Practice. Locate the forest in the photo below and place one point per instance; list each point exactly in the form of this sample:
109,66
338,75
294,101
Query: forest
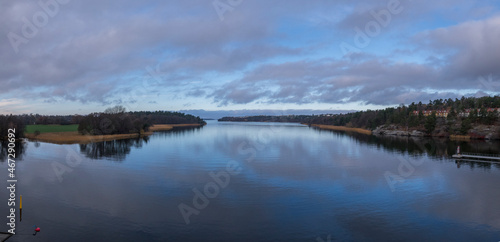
403,116
267,118
116,121
11,122
113,120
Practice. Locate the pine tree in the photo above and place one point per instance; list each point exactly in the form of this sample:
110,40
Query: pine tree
430,123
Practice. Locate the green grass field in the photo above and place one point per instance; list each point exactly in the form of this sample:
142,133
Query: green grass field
50,128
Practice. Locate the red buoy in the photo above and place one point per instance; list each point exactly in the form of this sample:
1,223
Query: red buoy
37,229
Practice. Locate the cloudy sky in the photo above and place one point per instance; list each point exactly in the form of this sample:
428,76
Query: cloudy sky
73,56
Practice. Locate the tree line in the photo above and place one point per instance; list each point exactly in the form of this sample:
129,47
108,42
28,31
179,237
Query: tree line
50,119
113,120
268,118
11,122
116,121
404,115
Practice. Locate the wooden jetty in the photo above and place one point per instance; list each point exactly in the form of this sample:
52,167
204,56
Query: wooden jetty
478,157
491,158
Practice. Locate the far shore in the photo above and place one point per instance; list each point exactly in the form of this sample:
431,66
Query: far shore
460,137
369,132
342,128
77,138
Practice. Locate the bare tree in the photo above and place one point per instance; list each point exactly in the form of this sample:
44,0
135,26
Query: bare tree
114,110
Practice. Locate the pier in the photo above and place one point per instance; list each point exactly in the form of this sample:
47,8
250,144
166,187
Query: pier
493,158
478,157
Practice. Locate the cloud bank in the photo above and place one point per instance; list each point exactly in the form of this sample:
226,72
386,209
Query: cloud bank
171,54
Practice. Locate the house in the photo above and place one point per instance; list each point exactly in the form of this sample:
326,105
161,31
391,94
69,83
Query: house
444,113
439,113
469,110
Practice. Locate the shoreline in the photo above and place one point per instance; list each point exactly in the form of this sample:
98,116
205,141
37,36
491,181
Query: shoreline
407,134
73,137
460,137
342,128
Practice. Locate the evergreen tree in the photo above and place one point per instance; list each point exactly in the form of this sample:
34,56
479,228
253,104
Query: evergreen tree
430,123
452,114
483,113
473,115
491,117
420,117
465,126
413,120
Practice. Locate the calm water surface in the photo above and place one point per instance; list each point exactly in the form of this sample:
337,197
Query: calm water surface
289,183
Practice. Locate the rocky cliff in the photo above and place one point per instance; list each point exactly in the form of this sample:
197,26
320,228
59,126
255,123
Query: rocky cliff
490,132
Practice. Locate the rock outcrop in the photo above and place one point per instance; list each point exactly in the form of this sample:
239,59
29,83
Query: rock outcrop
489,132
396,131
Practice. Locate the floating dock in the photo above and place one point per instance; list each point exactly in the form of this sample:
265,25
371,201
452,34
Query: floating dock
493,158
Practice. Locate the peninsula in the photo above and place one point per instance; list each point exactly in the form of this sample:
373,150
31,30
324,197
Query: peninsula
465,118
112,124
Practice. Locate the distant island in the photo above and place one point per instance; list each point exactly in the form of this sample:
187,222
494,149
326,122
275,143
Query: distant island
269,118
114,123
465,118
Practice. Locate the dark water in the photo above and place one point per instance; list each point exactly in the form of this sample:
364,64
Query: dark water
274,182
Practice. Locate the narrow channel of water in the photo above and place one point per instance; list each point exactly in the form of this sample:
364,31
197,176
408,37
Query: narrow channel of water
256,182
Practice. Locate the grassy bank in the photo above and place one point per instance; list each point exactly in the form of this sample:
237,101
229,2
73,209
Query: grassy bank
342,128
460,137
30,129
73,137
162,127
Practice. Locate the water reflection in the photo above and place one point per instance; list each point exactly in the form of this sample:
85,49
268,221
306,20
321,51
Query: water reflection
179,131
19,150
476,164
437,148
115,150
296,184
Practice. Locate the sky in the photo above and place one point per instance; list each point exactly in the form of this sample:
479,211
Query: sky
77,57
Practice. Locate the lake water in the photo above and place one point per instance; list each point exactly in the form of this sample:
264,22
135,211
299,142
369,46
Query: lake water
273,182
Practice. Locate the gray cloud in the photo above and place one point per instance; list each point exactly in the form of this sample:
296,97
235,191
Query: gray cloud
470,53
94,51
472,47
